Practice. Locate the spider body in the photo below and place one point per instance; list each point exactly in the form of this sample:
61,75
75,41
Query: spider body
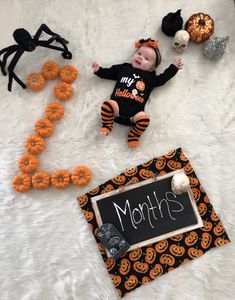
26,42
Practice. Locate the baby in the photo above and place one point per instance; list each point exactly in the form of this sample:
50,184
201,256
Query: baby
134,83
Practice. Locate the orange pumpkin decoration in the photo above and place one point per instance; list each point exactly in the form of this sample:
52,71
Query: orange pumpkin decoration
21,183
200,27
50,70
81,176
28,163
131,282
44,127
60,179
63,91
35,82
125,266
156,271
140,267
54,111
68,74
34,144
41,180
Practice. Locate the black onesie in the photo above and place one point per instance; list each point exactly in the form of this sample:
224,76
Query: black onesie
133,87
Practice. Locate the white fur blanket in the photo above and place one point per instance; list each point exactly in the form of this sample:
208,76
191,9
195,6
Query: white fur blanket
46,249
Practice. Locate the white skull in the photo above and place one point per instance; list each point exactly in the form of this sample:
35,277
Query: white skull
180,42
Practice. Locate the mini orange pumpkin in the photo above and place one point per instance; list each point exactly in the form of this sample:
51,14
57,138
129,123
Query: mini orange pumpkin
21,183
28,163
200,27
60,179
35,82
63,91
50,70
81,176
34,144
68,74
41,180
156,271
54,111
44,127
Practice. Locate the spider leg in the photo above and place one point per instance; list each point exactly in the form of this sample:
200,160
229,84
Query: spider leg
65,52
11,68
47,30
10,50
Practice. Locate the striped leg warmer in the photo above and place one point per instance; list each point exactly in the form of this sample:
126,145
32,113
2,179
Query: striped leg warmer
137,130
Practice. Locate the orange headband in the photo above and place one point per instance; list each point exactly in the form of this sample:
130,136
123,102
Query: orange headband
146,43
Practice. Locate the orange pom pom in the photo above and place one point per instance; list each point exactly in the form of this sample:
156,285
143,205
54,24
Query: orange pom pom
50,70
35,82
60,179
21,182
63,91
28,163
68,74
81,176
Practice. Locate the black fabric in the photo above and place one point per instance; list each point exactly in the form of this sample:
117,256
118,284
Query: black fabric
133,86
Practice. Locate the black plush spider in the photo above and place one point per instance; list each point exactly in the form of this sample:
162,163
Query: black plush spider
25,42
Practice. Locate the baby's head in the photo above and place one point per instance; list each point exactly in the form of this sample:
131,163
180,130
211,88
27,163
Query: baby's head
147,55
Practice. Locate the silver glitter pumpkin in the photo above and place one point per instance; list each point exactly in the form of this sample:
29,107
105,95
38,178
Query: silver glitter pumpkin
215,47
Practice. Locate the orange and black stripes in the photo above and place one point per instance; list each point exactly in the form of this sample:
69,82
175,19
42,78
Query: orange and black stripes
137,130
107,114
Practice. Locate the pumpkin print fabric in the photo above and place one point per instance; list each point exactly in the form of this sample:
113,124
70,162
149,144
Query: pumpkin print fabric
142,265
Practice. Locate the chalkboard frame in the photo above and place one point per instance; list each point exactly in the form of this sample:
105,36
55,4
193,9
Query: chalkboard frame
167,235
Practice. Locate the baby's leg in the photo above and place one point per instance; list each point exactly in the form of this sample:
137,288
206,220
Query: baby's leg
109,110
141,120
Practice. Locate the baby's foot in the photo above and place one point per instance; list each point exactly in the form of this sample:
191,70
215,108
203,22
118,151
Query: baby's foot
133,144
105,131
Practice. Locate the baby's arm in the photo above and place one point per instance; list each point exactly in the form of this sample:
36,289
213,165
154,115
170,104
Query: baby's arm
171,71
106,73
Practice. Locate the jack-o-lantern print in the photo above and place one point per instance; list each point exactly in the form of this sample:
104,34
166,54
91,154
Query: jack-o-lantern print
206,240
156,271
145,280
108,188
146,174
130,171
131,282
219,229
125,266
174,165
161,246
140,85
135,254
194,252
177,250
191,238
82,200
160,163
116,279
221,241
89,215
202,208
110,263
207,226
177,237
119,180
167,259
150,255
140,267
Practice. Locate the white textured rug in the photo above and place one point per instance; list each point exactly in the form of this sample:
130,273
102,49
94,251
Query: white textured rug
46,249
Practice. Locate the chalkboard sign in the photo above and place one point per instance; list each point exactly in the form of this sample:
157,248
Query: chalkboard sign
148,211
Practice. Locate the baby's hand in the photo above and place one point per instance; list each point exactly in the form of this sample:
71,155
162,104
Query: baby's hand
178,63
95,67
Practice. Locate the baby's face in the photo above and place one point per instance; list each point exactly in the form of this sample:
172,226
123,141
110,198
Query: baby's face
144,58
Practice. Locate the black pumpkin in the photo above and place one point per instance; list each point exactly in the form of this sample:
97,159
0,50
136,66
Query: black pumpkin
172,22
